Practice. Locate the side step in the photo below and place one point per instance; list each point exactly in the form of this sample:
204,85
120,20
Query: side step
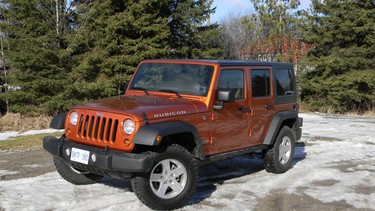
235,153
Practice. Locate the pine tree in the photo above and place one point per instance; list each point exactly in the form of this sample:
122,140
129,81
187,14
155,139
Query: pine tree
190,36
38,66
343,33
278,26
113,36
66,52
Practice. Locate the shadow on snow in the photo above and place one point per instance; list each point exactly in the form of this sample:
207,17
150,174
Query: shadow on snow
212,175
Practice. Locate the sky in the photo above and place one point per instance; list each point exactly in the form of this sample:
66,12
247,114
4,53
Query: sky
227,7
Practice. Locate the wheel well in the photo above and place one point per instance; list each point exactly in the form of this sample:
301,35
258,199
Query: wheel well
281,119
185,140
288,122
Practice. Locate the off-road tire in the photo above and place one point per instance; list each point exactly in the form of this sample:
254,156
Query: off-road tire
74,176
275,163
169,199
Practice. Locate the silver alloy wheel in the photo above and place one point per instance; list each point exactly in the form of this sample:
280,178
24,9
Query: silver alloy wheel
168,178
285,150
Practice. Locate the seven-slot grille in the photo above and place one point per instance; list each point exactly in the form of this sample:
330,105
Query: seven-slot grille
97,128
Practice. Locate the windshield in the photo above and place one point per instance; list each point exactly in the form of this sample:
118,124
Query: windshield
188,79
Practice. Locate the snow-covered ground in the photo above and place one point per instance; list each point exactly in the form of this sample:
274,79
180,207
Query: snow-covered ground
334,163
8,135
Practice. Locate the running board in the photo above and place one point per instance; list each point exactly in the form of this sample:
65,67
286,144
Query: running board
226,155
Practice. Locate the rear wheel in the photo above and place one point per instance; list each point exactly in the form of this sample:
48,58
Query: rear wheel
279,158
171,181
73,175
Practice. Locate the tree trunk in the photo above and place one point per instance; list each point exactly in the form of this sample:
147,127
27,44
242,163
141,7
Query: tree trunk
57,17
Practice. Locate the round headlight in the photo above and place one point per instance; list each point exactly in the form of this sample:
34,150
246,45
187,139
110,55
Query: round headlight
73,118
129,126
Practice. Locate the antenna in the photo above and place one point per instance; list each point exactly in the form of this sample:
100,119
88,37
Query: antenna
119,83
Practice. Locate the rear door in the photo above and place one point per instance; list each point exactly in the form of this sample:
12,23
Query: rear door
261,103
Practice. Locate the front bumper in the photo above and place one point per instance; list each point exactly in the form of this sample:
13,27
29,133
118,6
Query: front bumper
113,163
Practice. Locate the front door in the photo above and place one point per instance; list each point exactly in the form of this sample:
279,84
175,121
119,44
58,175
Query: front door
261,103
231,123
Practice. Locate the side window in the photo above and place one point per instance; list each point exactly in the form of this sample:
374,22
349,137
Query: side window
260,83
284,82
232,80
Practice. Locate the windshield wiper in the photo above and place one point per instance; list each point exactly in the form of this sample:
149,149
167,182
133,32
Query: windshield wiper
141,88
171,91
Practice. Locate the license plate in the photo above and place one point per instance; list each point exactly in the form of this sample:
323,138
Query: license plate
80,156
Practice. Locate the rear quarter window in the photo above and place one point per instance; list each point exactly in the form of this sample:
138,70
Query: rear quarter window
284,82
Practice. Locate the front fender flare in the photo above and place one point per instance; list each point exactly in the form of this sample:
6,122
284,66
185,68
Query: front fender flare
58,121
146,135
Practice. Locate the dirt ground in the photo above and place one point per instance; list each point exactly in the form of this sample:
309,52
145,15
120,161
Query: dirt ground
288,202
35,162
25,163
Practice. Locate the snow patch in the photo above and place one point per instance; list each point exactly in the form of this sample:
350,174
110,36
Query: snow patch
12,134
335,162
33,166
6,172
54,193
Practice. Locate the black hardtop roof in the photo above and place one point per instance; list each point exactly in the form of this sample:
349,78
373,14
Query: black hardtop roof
227,62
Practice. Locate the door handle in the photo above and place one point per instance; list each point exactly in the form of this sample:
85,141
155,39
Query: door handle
268,106
244,108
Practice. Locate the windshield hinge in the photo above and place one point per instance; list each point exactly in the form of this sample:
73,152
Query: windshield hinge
145,119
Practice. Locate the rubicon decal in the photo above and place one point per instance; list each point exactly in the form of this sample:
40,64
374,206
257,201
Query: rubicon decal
167,114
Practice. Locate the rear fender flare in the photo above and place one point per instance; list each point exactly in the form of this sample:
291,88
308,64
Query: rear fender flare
276,123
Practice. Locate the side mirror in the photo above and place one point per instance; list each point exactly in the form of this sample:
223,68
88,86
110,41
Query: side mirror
225,96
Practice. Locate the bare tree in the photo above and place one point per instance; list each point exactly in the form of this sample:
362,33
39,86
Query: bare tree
237,34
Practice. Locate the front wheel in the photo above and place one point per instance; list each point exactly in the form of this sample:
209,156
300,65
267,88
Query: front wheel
279,158
73,175
171,181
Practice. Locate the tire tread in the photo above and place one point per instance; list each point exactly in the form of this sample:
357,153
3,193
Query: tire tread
75,178
271,159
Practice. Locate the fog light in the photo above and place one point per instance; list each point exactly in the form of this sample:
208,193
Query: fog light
93,158
67,151
127,142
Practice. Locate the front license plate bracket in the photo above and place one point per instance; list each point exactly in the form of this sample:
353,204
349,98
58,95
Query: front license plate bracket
80,156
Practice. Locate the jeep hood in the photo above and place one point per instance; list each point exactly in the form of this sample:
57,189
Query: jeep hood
153,106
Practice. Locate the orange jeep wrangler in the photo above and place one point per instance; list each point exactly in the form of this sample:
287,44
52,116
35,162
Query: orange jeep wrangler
176,115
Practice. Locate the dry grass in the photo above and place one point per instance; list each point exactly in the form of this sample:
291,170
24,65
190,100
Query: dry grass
370,114
17,122
25,142
366,114
304,108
